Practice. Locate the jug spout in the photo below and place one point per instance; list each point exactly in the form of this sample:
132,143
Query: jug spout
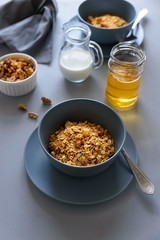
76,30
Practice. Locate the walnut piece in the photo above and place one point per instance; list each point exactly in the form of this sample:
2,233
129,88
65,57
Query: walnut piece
22,106
33,115
46,101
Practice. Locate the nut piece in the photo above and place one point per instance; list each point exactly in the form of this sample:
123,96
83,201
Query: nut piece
22,106
33,115
46,101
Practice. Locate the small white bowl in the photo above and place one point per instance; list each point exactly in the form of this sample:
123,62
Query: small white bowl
22,87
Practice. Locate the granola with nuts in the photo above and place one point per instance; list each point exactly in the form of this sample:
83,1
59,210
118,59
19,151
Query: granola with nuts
107,21
81,144
14,70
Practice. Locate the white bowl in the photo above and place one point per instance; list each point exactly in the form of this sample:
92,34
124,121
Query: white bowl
22,87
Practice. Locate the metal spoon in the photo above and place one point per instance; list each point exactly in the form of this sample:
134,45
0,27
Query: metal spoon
144,182
130,36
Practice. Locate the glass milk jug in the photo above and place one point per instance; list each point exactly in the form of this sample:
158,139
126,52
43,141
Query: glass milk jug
78,55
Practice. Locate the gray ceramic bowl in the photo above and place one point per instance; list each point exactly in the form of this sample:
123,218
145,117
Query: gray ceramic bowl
81,110
119,8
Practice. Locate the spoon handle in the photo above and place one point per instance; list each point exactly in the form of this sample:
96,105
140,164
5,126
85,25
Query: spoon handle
144,182
140,15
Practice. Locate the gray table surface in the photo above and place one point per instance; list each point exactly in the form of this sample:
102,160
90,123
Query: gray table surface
25,212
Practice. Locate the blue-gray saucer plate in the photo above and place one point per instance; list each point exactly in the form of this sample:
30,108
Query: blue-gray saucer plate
77,190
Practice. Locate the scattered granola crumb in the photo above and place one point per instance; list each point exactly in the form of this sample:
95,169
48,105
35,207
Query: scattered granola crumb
33,115
46,101
22,106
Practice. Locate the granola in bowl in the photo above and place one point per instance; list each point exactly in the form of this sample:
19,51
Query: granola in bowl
107,21
81,144
12,69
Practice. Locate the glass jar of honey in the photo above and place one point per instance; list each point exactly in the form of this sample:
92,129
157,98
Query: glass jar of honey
125,68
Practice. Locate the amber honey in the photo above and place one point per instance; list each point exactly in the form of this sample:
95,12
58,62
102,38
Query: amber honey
122,88
125,68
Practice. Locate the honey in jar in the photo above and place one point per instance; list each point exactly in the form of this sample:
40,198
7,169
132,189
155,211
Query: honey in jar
125,68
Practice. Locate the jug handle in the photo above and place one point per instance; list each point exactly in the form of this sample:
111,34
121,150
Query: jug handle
97,54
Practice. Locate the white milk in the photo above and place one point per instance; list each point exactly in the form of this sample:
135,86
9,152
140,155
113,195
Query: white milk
76,64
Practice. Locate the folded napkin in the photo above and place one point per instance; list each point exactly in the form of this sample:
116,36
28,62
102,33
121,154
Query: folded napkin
27,26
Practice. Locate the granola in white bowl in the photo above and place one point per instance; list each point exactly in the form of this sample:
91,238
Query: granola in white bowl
18,74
